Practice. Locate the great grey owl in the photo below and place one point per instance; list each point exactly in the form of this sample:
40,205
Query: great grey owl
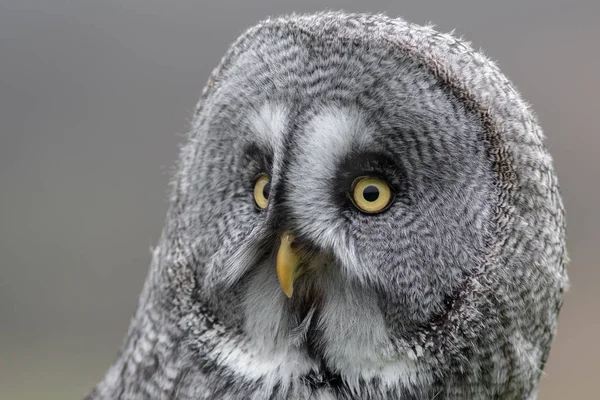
363,209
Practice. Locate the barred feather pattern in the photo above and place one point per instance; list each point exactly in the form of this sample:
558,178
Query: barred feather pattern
453,293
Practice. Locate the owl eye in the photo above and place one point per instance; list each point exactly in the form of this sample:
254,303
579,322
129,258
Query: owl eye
371,195
262,186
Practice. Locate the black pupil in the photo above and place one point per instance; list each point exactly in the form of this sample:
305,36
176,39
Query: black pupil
371,193
266,190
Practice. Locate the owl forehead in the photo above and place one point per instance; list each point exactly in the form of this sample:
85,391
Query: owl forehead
318,142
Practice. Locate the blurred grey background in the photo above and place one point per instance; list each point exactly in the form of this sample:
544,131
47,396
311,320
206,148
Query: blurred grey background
94,98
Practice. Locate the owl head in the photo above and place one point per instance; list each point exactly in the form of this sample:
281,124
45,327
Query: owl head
330,170
366,200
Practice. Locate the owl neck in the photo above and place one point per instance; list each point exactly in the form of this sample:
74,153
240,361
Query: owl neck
181,346
162,361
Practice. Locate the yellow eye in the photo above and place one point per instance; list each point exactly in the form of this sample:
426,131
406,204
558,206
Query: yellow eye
371,195
262,186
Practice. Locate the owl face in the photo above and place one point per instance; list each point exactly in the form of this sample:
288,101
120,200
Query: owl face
347,185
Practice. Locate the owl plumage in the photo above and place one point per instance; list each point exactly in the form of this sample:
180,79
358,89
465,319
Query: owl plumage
364,209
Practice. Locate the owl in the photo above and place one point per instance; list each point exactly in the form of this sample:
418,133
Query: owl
363,209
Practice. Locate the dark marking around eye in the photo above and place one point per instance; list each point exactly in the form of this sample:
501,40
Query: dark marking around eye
377,164
371,193
261,156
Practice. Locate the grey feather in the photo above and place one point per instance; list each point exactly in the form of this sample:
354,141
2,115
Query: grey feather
451,293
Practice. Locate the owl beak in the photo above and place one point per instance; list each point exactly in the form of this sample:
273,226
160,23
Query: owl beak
289,263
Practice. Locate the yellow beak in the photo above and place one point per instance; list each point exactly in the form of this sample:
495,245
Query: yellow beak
288,264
